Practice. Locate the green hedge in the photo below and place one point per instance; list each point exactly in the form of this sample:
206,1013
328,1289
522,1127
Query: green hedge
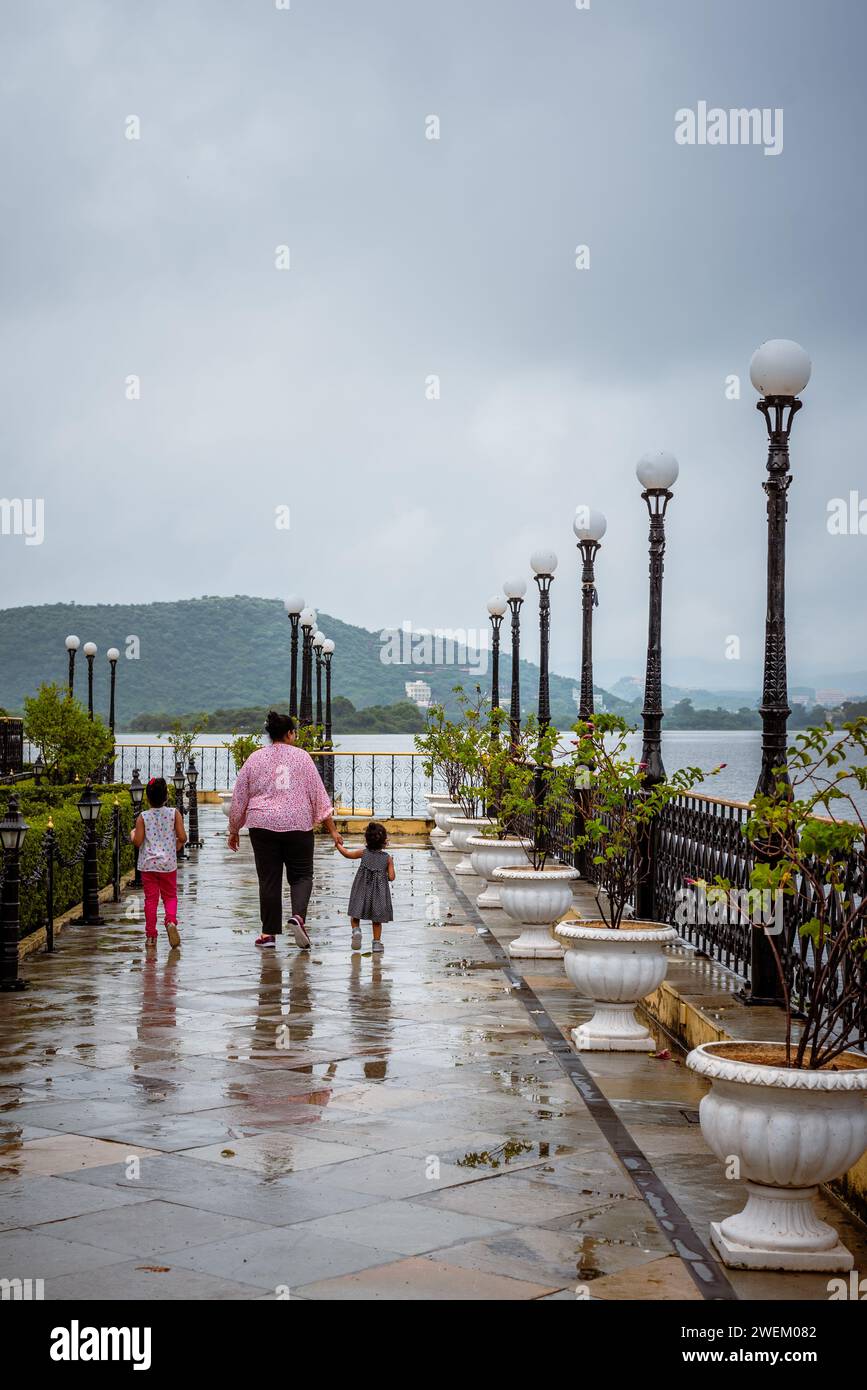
68,830
34,800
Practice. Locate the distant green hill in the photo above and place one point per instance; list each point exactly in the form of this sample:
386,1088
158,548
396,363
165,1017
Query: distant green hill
219,653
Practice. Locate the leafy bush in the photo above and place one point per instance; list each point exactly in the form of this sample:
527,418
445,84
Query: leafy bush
71,744
68,831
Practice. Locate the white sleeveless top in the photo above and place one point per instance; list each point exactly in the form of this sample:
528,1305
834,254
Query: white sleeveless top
159,853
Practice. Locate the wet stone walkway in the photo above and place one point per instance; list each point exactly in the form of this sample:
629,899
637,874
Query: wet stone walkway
224,1123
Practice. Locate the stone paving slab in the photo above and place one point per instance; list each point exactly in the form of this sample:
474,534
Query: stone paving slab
223,1123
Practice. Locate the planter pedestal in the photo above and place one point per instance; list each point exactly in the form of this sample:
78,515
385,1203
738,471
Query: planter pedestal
613,1028
779,1228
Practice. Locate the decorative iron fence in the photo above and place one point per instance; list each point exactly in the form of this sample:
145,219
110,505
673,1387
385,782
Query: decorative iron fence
389,785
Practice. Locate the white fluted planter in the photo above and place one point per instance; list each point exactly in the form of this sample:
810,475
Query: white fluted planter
434,802
536,898
789,1130
615,967
442,814
486,855
461,829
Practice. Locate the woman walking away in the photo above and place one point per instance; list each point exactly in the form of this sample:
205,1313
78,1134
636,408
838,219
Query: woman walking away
279,796
370,898
158,834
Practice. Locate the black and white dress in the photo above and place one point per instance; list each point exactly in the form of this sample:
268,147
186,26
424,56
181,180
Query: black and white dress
370,898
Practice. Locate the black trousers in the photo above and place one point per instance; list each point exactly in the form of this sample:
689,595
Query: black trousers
274,851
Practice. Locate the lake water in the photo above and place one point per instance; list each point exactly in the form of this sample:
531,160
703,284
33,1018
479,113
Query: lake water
739,749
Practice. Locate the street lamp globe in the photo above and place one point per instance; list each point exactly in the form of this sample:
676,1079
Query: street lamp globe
543,562
515,588
657,471
112,654
327,647
780,368
589,525
294,604
90,649
308,617
319,640
73,643
497,606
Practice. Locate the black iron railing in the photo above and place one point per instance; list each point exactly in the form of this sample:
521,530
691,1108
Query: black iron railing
388,785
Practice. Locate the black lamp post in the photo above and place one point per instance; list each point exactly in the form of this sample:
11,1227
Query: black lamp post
89,807
327,657
318,641
90,649
589,527
780,370
308,627
193,802
13,828
294,608
656,473
136,796
496,612
38,769
113,656
72,645
515,589
544,563
178,781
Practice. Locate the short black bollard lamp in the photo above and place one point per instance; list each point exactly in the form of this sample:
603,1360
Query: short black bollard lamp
193,803
515,589
179,781
38,769
136,796
589,527
13,828
89,807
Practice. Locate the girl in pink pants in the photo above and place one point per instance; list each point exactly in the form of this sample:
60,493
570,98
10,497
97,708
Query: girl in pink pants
158,835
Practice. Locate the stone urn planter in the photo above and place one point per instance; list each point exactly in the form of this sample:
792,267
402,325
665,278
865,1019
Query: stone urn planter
461,829
615,967
486,855
536,898
789,1130
442,812
225,802
434,801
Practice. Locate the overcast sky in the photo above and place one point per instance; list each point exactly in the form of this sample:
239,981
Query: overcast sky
412,257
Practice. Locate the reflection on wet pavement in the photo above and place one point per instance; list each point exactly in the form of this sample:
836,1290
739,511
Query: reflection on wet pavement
218,1123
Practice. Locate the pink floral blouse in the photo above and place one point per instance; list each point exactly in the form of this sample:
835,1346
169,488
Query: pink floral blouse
278,788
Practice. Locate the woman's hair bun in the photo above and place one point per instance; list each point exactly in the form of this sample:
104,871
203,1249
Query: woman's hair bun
278,725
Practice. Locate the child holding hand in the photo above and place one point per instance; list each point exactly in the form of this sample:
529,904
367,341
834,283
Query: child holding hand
370,898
